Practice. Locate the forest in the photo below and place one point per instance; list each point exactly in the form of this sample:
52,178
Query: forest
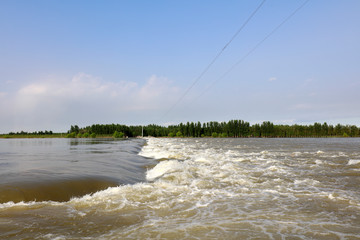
232,128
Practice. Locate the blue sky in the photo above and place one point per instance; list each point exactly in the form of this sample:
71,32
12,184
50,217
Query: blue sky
83,62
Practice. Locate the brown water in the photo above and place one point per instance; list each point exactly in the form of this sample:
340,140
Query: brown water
198,189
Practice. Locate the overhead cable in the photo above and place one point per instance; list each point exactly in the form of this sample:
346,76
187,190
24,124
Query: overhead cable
254,48
215,58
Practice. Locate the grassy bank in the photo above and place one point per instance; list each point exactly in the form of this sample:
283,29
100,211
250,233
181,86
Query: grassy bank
54,135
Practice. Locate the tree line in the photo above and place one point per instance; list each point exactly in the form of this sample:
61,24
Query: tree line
232,128
46,132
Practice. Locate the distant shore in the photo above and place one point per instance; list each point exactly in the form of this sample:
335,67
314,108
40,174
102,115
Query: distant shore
230,129
64,135
55,135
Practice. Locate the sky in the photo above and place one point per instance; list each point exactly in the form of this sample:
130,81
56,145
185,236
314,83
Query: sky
139,62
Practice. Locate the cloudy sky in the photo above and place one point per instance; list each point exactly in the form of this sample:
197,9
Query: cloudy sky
138,62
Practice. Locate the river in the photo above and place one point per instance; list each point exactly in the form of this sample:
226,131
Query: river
180,188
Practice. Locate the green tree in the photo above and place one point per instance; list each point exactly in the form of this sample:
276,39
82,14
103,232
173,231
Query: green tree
118,134
317,129
267,129
256,130
74,129
324,129
354,131
232,128
338,130
71,135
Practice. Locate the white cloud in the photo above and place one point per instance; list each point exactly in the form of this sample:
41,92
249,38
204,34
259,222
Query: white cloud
33,89
3,94
79,86
156,93
86,87
83,98
272,79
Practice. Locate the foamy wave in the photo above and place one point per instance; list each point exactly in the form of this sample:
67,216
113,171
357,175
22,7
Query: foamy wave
353,162
23,204
163,168
211,193
306,182
155,149
12,204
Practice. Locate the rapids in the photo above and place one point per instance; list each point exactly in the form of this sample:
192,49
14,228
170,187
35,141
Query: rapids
211,189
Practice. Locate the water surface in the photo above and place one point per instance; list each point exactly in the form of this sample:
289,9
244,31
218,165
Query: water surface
58,169
196,189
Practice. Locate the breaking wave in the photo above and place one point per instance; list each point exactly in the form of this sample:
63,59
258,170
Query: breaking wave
209,189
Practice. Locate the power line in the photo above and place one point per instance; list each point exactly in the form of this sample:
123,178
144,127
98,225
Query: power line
215,58
254,48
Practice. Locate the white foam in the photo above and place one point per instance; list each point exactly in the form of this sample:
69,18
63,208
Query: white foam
163,168
276,169
209,189
202,160
306,182
318,162
27,204
54,237
296,154
331,196
353,162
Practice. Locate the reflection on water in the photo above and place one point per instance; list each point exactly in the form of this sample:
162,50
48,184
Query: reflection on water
91,141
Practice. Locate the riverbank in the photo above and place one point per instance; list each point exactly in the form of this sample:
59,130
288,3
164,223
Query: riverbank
65,135
54,135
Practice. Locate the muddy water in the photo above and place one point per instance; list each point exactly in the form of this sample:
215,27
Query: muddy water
183,189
